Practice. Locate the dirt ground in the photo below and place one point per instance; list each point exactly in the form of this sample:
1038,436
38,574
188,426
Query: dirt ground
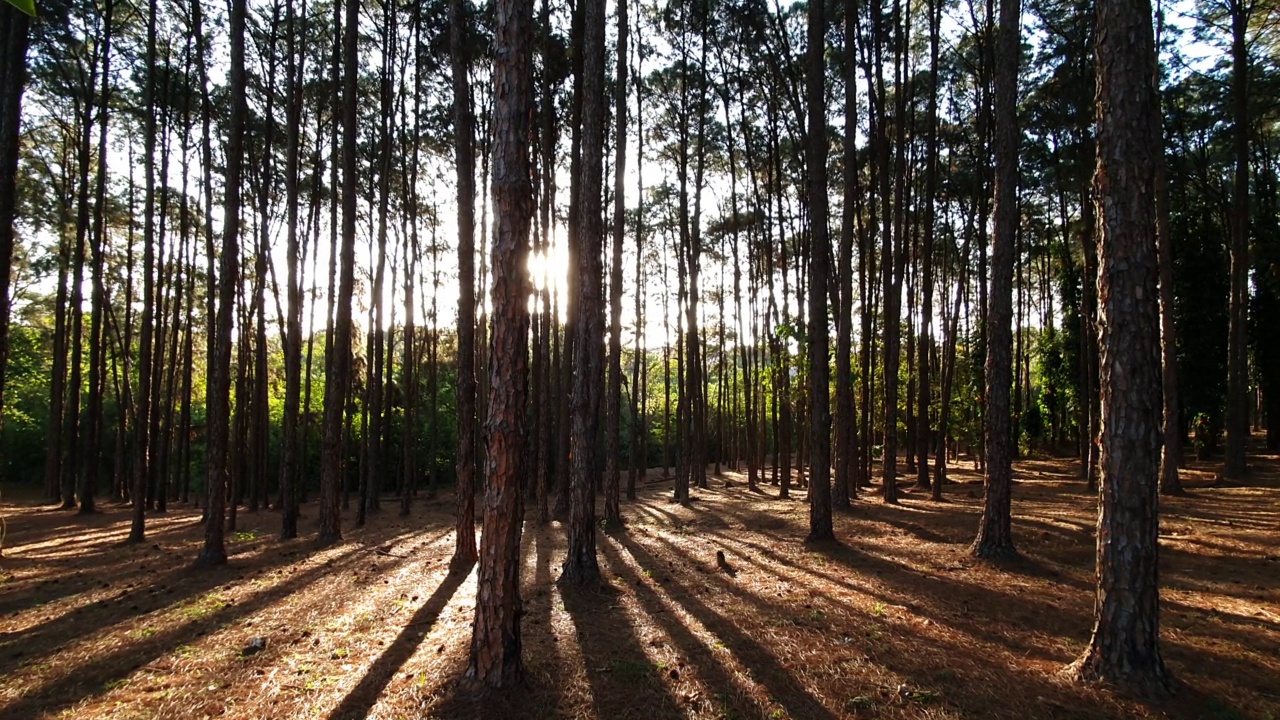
897,621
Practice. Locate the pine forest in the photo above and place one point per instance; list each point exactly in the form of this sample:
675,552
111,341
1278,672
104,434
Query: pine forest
785,359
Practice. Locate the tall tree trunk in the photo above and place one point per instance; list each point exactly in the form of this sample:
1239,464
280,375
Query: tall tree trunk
639,361
433,372
580,566
995,532
743,361
845,421
949,370
1237,340
73,434
410,365
58,381
549,320
570,295
695,379
926,279
13,71
464,551
260,420
782,312
613,398
890,290
215,552
495,640
292,460
146,369
98,336
185,392
1090,331
1124,647
1171,447
156,499
866,294
339,358
381,337
820,523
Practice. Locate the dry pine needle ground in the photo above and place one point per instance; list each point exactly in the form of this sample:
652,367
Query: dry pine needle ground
896,621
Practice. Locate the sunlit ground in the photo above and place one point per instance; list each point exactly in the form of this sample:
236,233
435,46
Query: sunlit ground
895,622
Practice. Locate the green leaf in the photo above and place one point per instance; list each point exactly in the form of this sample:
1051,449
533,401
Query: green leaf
26,6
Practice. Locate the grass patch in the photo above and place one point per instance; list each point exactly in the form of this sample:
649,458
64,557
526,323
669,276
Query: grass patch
632,670
860,702
202,607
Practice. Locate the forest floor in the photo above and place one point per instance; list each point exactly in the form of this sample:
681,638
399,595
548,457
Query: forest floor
896,621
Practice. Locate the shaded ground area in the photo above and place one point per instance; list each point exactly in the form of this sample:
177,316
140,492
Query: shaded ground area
897,621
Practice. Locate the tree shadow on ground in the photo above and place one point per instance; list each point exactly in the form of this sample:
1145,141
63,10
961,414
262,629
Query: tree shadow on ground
618,671
764,667
361,699
91,677
142,594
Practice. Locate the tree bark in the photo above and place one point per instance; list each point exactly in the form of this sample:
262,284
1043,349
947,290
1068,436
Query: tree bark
580,565
1090,332
464,551
995,533
639,367
339,359
215,552
613,402
495,642
923,385
97,337
820,523
13,71
1124,647
845,417
146,369
1237,341
1171,447
291,463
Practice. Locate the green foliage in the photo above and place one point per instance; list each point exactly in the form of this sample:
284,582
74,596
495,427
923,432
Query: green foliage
26,6
26,407
24,442
1206,433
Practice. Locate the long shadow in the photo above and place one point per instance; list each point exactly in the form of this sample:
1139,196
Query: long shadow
920,532
969,599
539,637
32,592
1032,566
178,585
708,517
606,635
959,594
948,661
781,560
1029,565
688,645
122,562
1230,626
782,686
660,516
90,678
943,591
107,528
364,695
1232,515
125,565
